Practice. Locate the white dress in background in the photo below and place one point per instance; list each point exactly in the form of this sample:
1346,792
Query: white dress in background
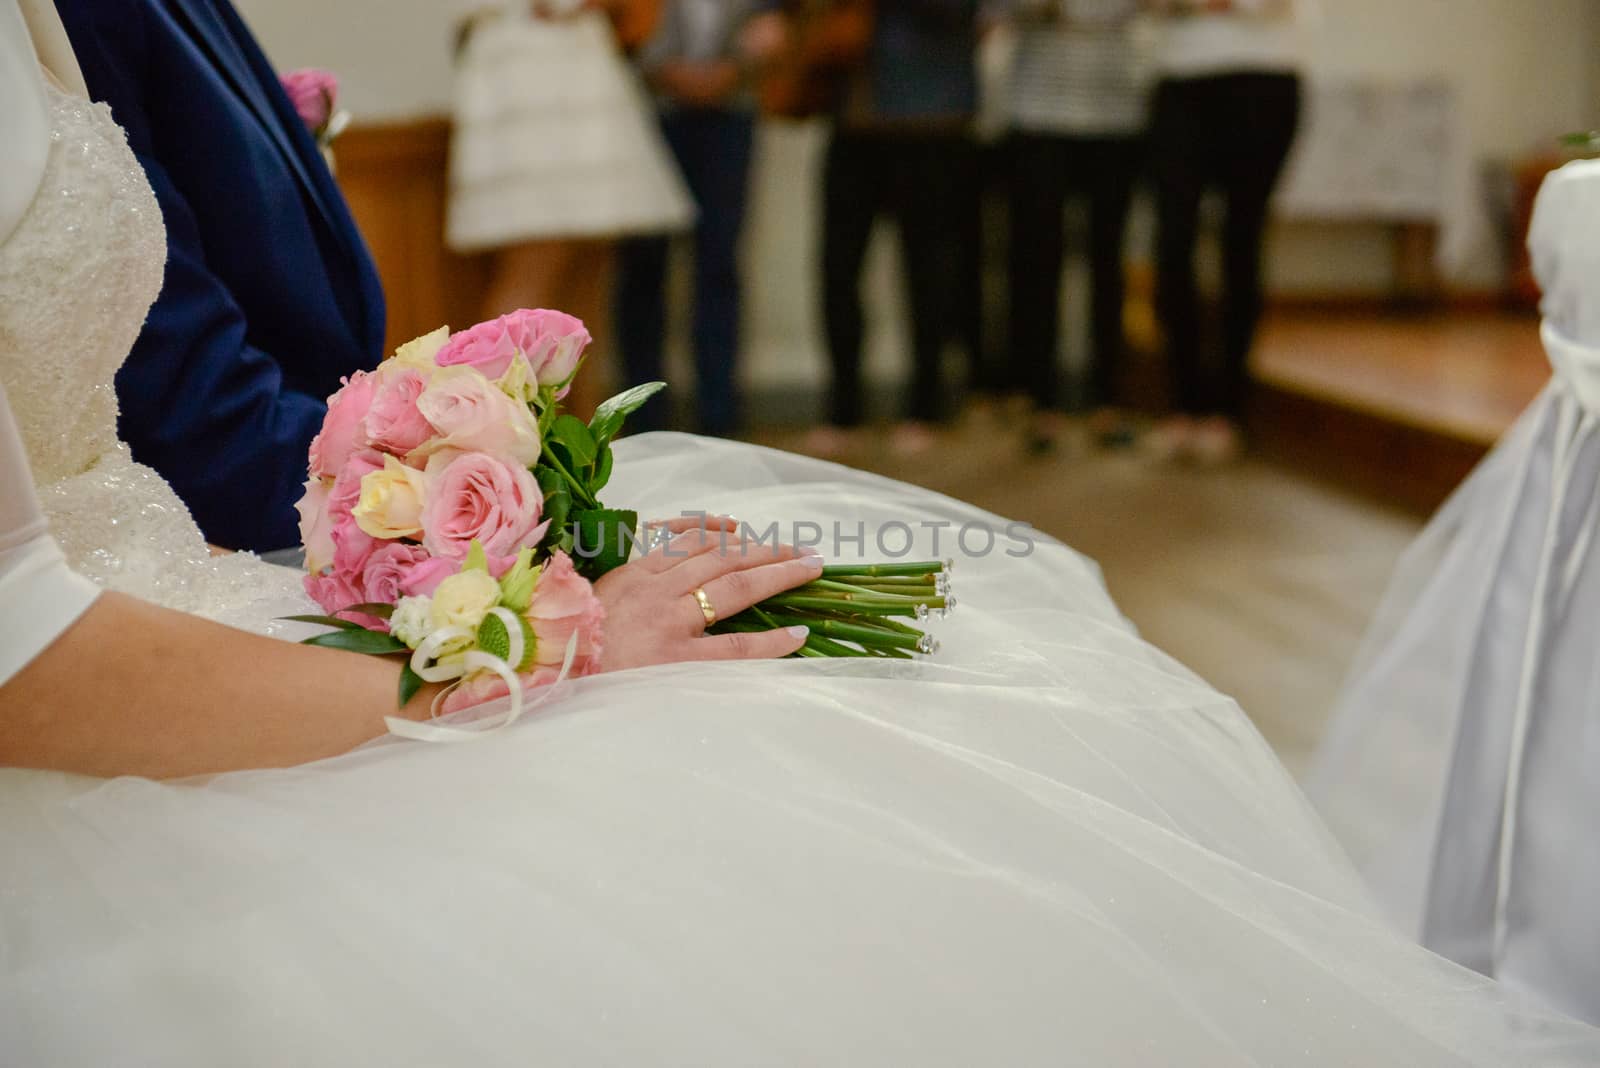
1050,845
1462,769
554,137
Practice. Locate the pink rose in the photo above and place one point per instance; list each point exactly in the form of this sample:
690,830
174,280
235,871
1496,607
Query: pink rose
388,569
487,348
472,414
347,487
352,547
344,429
426,576
393,422
553,342
314,94
316,524
332,592
479,496
346,582
564,603
487,686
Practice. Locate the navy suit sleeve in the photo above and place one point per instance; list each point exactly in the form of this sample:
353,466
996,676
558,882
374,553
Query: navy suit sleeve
199,403
206,408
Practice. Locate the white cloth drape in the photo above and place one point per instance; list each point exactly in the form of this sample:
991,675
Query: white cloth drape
1463,766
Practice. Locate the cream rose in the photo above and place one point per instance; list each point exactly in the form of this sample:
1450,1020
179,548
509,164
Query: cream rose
418,354
472,414
463,600
316,525
391,501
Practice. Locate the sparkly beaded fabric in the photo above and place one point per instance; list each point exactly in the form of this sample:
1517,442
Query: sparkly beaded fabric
78,275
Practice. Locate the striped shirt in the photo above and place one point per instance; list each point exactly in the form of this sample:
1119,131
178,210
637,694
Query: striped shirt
1080,69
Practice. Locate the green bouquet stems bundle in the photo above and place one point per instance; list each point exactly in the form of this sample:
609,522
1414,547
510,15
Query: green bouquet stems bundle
859,610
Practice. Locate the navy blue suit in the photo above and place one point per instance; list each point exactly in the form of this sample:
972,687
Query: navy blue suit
270,296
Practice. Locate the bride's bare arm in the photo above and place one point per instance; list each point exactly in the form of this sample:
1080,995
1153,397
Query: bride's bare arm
133,689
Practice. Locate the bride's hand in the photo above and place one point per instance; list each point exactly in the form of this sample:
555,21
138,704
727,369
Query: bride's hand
653,616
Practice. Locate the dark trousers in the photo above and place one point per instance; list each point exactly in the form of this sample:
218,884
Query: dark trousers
713,149
1045,171
1230,134
916,179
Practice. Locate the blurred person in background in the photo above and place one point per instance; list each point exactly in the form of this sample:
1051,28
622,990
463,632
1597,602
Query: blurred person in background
899,145
1225,114
1077,108
555,155
700,62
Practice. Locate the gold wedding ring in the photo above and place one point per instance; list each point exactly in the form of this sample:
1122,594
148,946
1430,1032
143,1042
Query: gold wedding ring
705,606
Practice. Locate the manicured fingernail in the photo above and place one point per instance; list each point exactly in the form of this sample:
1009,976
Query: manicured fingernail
807,550
800,633
813,562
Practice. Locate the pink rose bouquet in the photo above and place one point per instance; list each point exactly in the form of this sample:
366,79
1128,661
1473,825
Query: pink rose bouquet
452,516
446,490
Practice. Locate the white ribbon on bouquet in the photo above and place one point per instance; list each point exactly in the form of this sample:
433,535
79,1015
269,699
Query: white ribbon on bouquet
424,663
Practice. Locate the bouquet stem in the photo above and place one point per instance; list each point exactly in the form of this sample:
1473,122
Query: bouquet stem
855,610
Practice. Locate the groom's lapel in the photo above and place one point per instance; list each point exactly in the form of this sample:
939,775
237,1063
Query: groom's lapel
227,55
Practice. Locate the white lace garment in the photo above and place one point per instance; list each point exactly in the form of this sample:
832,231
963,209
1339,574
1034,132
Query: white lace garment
79,274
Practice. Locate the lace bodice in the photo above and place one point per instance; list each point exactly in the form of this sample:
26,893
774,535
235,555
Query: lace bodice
79,274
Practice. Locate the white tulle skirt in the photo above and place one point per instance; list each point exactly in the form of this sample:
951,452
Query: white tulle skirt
1051,844
1462,768
554,137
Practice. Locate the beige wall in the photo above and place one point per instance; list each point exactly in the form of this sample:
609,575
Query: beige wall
1527,70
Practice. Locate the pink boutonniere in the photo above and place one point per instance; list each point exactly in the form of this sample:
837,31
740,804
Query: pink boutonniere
315,95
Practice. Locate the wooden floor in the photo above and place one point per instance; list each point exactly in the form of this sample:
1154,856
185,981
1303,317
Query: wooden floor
1466,376
1398,408
1262,576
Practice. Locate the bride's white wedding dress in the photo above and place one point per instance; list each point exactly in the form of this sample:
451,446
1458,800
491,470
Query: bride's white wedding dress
1049,845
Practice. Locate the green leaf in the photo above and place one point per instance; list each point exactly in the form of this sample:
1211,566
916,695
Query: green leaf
609,417
549,479
326,621
575,438
410,683
602,470
556,459
605,538
557,502
557,507
476,559
555,456
369,642
495,639
545,401
381,611
517,584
